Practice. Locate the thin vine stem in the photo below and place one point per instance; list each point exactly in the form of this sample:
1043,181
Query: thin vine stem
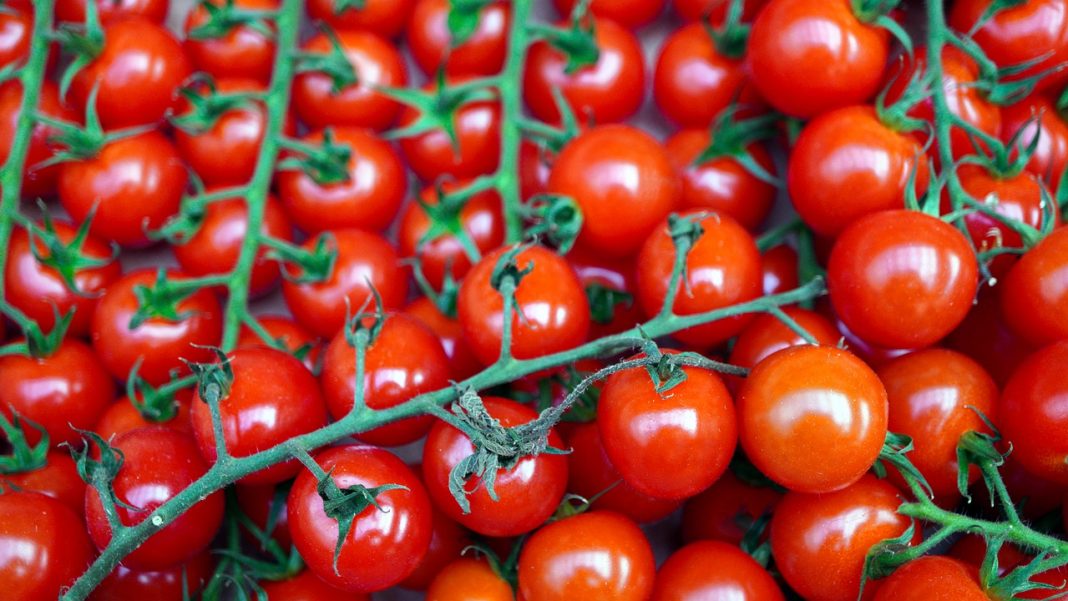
511,93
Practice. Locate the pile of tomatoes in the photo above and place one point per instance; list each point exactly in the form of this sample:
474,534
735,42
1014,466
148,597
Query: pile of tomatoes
387,250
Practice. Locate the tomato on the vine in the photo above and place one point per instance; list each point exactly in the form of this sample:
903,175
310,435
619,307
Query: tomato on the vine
726,510
431,42
462,362
714,570
122,417
46,548
932,578
73,11
987,338
1034,294
306,586
779,267
295,339
1037,115
714,10
16,25
469,579
36,181
1028,415
243,51
166,584
387,18
628,13
57,478
448,541
767,334
265,505
432,154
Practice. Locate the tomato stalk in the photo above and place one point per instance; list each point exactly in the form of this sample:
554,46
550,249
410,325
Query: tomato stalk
511,93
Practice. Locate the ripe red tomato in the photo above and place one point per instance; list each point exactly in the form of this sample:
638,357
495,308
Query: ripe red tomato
819,541
241,52
1018,197
985,337
161,585
628,13
1036,495
812,405
385,544
68,388
306,586
46,548
694,81
623,182
534,166
387,18
595,556
617,275
137,74
556,314
273,398
714,570
369,199
722,269
714,10
607,91
57,478
134,183
932,578
847,164
430,40
404,361
73,11
766,334
872,354
16,27
35,181
122,417
691,428
1034,296
159,343
779,267
480,217
721,185
726,510
462,362
158,464
293,336
469,579
1028,417
793,42
528,493
259,502
363,260
448,541
478,135
902,279
376,62
1033,116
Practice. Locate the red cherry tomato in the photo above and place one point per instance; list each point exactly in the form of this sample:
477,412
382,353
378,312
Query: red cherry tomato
932,578
616,275
122,417
779,266
431,44
1033,116
431,154
556,314
528,493
158,464
293,336
623,182
35,181
1034,295
73,11
534,166
306,586
16,27
714,570
57,478
161,585
902,279
596,556
468,580
607,91
46,548
985,337
1027,413
726,510
385,543
628,13
241,52
872,354
462,362
266,504
159,343
387,18
767,334
448,541
808,405
714,10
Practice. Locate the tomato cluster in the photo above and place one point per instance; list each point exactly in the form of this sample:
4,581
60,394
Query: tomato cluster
467,247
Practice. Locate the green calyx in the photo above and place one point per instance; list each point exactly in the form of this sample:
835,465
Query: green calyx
162,299
22,456
604,300
214,379
555,217
877,13
84,42
333,63
82,143
343,6
730,38
226,16
437,109
463,19
731,137
315,265
207,105
344,505
578,41
66,258
157,405
325,163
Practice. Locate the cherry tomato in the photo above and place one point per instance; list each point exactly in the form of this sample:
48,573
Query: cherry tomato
607,91
534,168
158,464
39,290
597,272
812,405
376,63
45,546
721,184
595,556
122,417
528,493
726,510
691,428
159,343
402,362
623,182
241,52
779,266
306,586
57,478
767,334
161,585
469,580
448,541
387,18
714,570
628,13
431,44
556,314
68,388
794,43
1034,495
73,11
819,541
364,260
35,181
971,549
298,341
1033,116
932,578
369,198
432,156
714,10
1018,197
872,354
722,269
385,543
265,504
462,362
16,28
1034,297
902,279
136,74
134,183
985,337
1027,413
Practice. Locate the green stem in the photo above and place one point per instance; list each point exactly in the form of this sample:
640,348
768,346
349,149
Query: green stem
511,92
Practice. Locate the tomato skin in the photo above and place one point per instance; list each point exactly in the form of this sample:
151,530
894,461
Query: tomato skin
641,431
267,382
306,586
377,63
159,463
38,290
714,570
779,267
138,71
608,91
793,42
383,546
57,478
599,555
16,27
613,274
35,182
481,218
1034,298
68,388
1018,197
292,335
478,132
362,258
812,405
215,248
534,169
134,183
1037,115
932,578
912,300
766,334
725,510
448,541
241,52
404,361
722,269
483,53
628,13
162,585
46,546
550,297
73,11
819,541
387,18
469,580
985,337
528,493
1027,414
714,10
934,395
462,362
369,199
